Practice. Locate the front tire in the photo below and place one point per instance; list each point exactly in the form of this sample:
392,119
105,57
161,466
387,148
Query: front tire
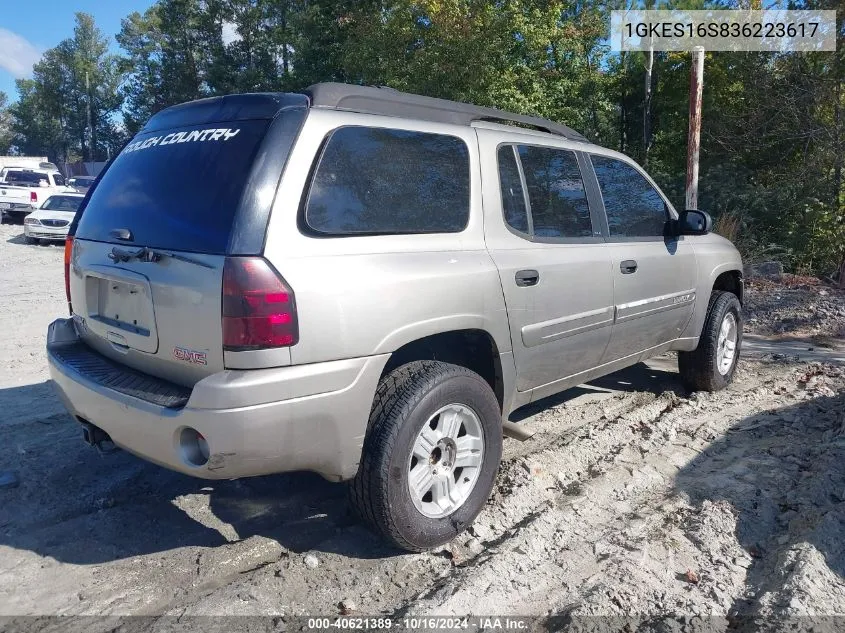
431,455
711,366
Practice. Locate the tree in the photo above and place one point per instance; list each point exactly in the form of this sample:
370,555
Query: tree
257,51
5,124
773,135
174,53
67,107
143,80
35,131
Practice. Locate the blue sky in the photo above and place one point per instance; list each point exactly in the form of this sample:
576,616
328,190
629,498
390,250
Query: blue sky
25,34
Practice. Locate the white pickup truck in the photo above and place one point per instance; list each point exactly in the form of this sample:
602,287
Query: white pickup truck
22,190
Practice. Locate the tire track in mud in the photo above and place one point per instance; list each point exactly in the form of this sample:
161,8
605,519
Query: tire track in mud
595,540
436,569
557,498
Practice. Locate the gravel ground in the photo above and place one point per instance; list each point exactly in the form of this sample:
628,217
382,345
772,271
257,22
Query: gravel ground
633,498
798,306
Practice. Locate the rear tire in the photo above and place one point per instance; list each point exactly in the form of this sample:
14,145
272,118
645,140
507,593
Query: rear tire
452,411
711,366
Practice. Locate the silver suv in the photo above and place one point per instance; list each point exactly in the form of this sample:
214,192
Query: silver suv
366,283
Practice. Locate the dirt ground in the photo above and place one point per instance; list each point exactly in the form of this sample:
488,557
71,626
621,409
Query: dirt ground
802,306
633,498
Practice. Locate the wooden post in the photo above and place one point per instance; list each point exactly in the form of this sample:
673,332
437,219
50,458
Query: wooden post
694,137
649,66
842,273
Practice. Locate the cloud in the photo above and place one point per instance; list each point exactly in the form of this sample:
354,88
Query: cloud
17,54
229,33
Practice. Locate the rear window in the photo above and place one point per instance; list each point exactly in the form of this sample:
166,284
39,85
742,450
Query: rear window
62,203
25,178
376,181
177,189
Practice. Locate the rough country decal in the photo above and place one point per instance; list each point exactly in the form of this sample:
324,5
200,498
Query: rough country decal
211,134
190,356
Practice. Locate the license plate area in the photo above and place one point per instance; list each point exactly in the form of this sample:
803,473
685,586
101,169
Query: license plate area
120,309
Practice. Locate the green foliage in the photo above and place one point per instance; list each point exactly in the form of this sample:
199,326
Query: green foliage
772,146
5,124
73,82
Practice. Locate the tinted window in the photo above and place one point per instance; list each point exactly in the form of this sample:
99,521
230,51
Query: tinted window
60,180
633,206
556,192
25,178
372,180
62,203
513,200
176,189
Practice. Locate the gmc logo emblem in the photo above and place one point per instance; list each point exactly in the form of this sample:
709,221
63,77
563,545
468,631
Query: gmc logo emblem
190,356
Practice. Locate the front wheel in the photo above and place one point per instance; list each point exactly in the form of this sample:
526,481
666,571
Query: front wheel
431,454
711,366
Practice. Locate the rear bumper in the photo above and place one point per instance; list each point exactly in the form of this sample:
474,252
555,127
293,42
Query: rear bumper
18,211
256,422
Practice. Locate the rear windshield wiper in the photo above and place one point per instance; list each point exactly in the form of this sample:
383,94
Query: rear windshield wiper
146,254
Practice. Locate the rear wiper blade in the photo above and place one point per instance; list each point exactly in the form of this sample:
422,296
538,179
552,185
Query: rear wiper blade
146,254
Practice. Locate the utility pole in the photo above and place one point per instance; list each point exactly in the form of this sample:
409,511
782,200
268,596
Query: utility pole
694,137
649,66
90,127
650,5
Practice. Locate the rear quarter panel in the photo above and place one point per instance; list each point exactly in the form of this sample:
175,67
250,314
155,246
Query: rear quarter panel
367,295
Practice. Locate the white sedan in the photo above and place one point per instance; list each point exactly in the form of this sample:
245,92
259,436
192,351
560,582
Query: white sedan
51,221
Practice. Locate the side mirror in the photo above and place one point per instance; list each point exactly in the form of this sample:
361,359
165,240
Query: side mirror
694,222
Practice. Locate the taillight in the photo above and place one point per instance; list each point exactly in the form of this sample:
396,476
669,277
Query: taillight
33,197
68,252
259,309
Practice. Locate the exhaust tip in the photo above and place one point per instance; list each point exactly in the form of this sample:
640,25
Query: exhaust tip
93,435
193,447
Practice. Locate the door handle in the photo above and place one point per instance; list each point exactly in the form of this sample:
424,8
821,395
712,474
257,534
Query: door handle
628,266
527,278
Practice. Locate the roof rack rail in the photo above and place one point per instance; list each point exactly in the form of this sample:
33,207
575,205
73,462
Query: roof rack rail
392,102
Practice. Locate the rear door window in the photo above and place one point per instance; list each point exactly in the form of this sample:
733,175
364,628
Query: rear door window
177,189
559,207
557,201
510,184
633,206
375,181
